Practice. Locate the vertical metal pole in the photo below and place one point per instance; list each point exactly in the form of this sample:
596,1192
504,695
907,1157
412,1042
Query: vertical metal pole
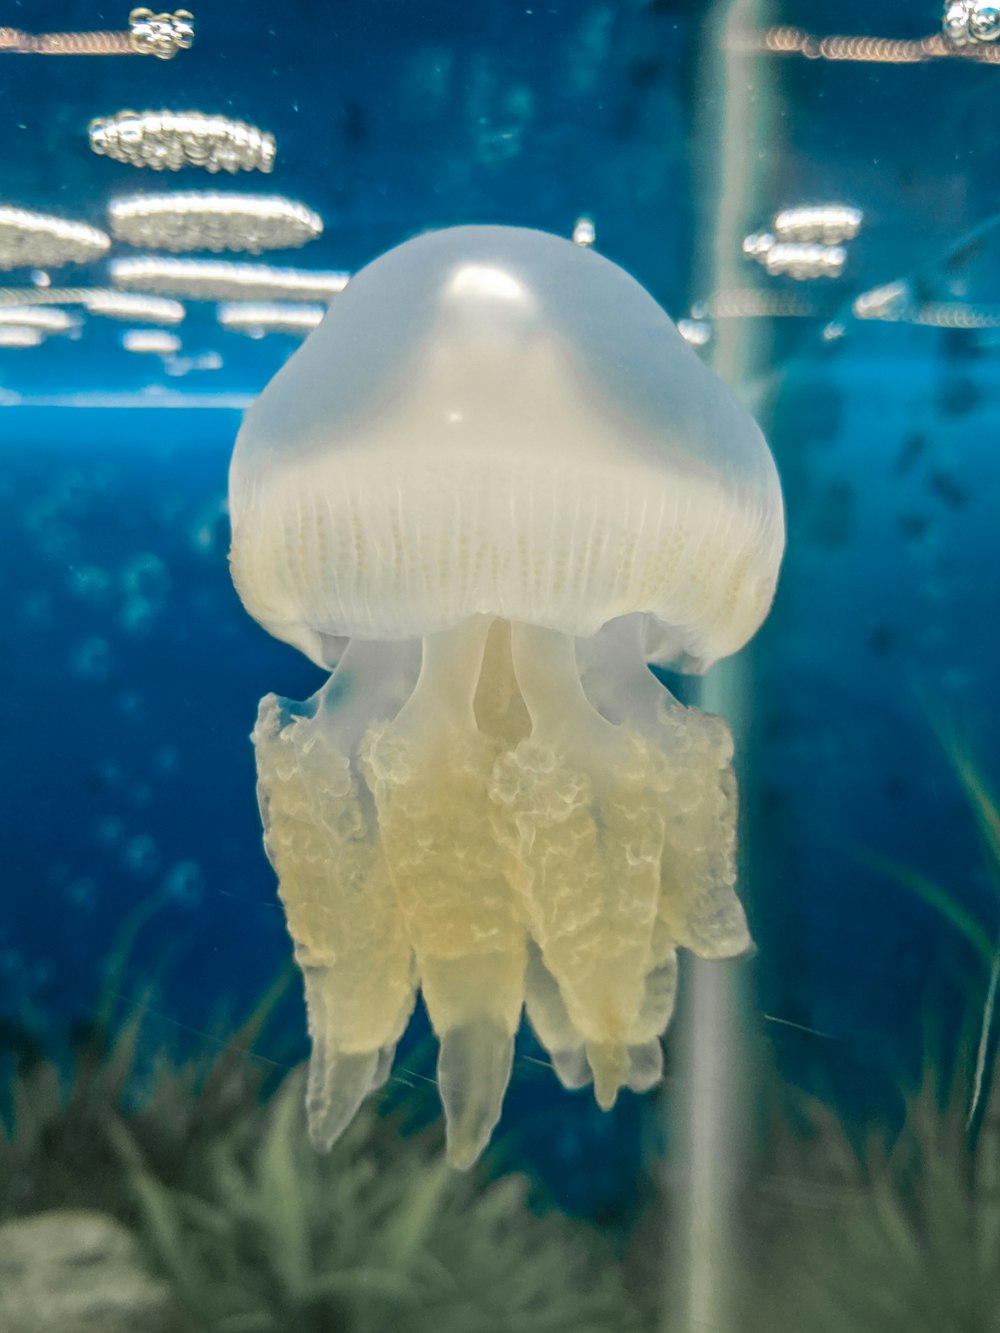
708,1136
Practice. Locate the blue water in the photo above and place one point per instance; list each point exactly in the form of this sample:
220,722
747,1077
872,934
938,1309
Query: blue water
130,675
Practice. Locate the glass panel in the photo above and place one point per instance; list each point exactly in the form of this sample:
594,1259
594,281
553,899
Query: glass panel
808,191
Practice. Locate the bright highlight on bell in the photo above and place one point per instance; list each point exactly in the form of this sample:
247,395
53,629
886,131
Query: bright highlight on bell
488,489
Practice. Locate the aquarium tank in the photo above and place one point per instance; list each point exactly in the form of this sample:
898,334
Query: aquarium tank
500,554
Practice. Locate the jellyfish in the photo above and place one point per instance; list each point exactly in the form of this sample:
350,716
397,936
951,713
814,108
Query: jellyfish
490,489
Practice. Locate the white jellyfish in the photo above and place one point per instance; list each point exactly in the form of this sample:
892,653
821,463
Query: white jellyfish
490,488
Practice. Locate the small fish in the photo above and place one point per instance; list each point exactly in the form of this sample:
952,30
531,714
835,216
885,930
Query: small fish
959,396
913,448
913,526
947,489
832,520
882,639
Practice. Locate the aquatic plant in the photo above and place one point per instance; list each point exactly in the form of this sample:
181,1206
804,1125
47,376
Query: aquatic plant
371,1237
984,940
899,1236
55,1109
211,1164
902,1232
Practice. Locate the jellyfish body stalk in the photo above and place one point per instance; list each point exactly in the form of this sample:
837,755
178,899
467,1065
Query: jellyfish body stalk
479,827
429,771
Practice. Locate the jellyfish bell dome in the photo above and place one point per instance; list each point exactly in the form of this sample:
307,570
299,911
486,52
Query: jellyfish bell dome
490,486
495,420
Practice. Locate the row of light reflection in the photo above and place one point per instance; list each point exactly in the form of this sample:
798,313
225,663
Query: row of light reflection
170,140
176,221
249,304
969,29
257,299
967,26
804,243
161,35
809,242
964,24
23,324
